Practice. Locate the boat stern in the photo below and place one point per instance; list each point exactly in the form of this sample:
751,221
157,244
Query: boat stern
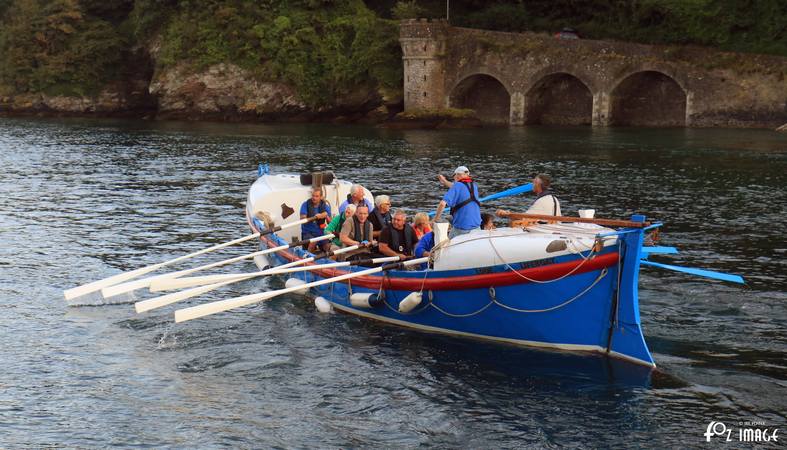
625,338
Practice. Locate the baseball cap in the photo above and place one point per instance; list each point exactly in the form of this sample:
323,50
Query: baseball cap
460,170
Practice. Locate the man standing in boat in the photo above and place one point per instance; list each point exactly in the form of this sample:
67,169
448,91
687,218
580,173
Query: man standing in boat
462,197
318,207
546,203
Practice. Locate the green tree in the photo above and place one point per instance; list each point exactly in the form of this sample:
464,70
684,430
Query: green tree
55,47
407,10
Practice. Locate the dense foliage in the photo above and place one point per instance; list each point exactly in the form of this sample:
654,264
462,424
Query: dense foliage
755,26
325,48
60,46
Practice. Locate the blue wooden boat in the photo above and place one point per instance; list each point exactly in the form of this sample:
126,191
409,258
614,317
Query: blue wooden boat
570,287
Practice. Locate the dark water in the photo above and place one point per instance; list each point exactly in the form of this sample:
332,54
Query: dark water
81,200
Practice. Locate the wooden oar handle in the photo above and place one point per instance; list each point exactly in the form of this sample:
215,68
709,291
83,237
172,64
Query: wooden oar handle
604,222
391,266
403,264
298,243
306,241
362,262
321,255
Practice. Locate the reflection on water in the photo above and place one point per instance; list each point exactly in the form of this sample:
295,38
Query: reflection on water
80,200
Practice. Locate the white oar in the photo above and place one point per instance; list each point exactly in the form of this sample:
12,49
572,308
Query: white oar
125,276
195,312
183,283
164,300
118,289
383,260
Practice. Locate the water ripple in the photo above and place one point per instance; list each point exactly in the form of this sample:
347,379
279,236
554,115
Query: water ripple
81,200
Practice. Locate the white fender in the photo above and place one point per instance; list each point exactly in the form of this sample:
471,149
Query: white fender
323,305
365,300
293,282
410,302
262,261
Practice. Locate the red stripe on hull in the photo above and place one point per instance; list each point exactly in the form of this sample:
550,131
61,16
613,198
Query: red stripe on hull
545,273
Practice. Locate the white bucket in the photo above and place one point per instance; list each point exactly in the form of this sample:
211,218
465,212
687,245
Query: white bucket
587,213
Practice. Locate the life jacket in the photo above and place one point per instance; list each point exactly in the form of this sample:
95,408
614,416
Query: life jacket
359,234
469,184
311,211
420,234
383,220
405,247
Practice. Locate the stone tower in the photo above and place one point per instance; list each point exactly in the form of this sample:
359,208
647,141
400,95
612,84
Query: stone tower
423,53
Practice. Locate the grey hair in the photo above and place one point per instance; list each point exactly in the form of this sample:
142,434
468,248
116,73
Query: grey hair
355,188
399,212
380,199
421,216
351,207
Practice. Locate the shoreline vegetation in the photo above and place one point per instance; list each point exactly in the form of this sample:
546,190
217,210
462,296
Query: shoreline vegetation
301,60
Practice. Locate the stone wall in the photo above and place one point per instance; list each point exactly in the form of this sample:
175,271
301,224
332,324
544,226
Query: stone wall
423,45
599,82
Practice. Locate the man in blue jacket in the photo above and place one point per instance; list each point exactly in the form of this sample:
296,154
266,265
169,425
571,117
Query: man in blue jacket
315,206
462,197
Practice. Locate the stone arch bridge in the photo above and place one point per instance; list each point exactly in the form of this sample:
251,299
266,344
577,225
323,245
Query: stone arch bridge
528,78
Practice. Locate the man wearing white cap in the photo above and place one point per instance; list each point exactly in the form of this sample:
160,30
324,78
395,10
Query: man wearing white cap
462,197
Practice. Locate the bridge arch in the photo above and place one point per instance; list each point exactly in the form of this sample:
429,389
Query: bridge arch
649,97
485,94
559,98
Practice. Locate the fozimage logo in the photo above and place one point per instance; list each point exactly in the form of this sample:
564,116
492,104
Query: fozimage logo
748,434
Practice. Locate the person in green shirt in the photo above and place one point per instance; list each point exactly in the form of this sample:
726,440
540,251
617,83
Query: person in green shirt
336,225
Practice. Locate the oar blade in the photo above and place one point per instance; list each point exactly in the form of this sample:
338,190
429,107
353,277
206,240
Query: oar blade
660,250
122,288
164,300
207,309
126,276
184,283
698,272
94,286
195,312
509,192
